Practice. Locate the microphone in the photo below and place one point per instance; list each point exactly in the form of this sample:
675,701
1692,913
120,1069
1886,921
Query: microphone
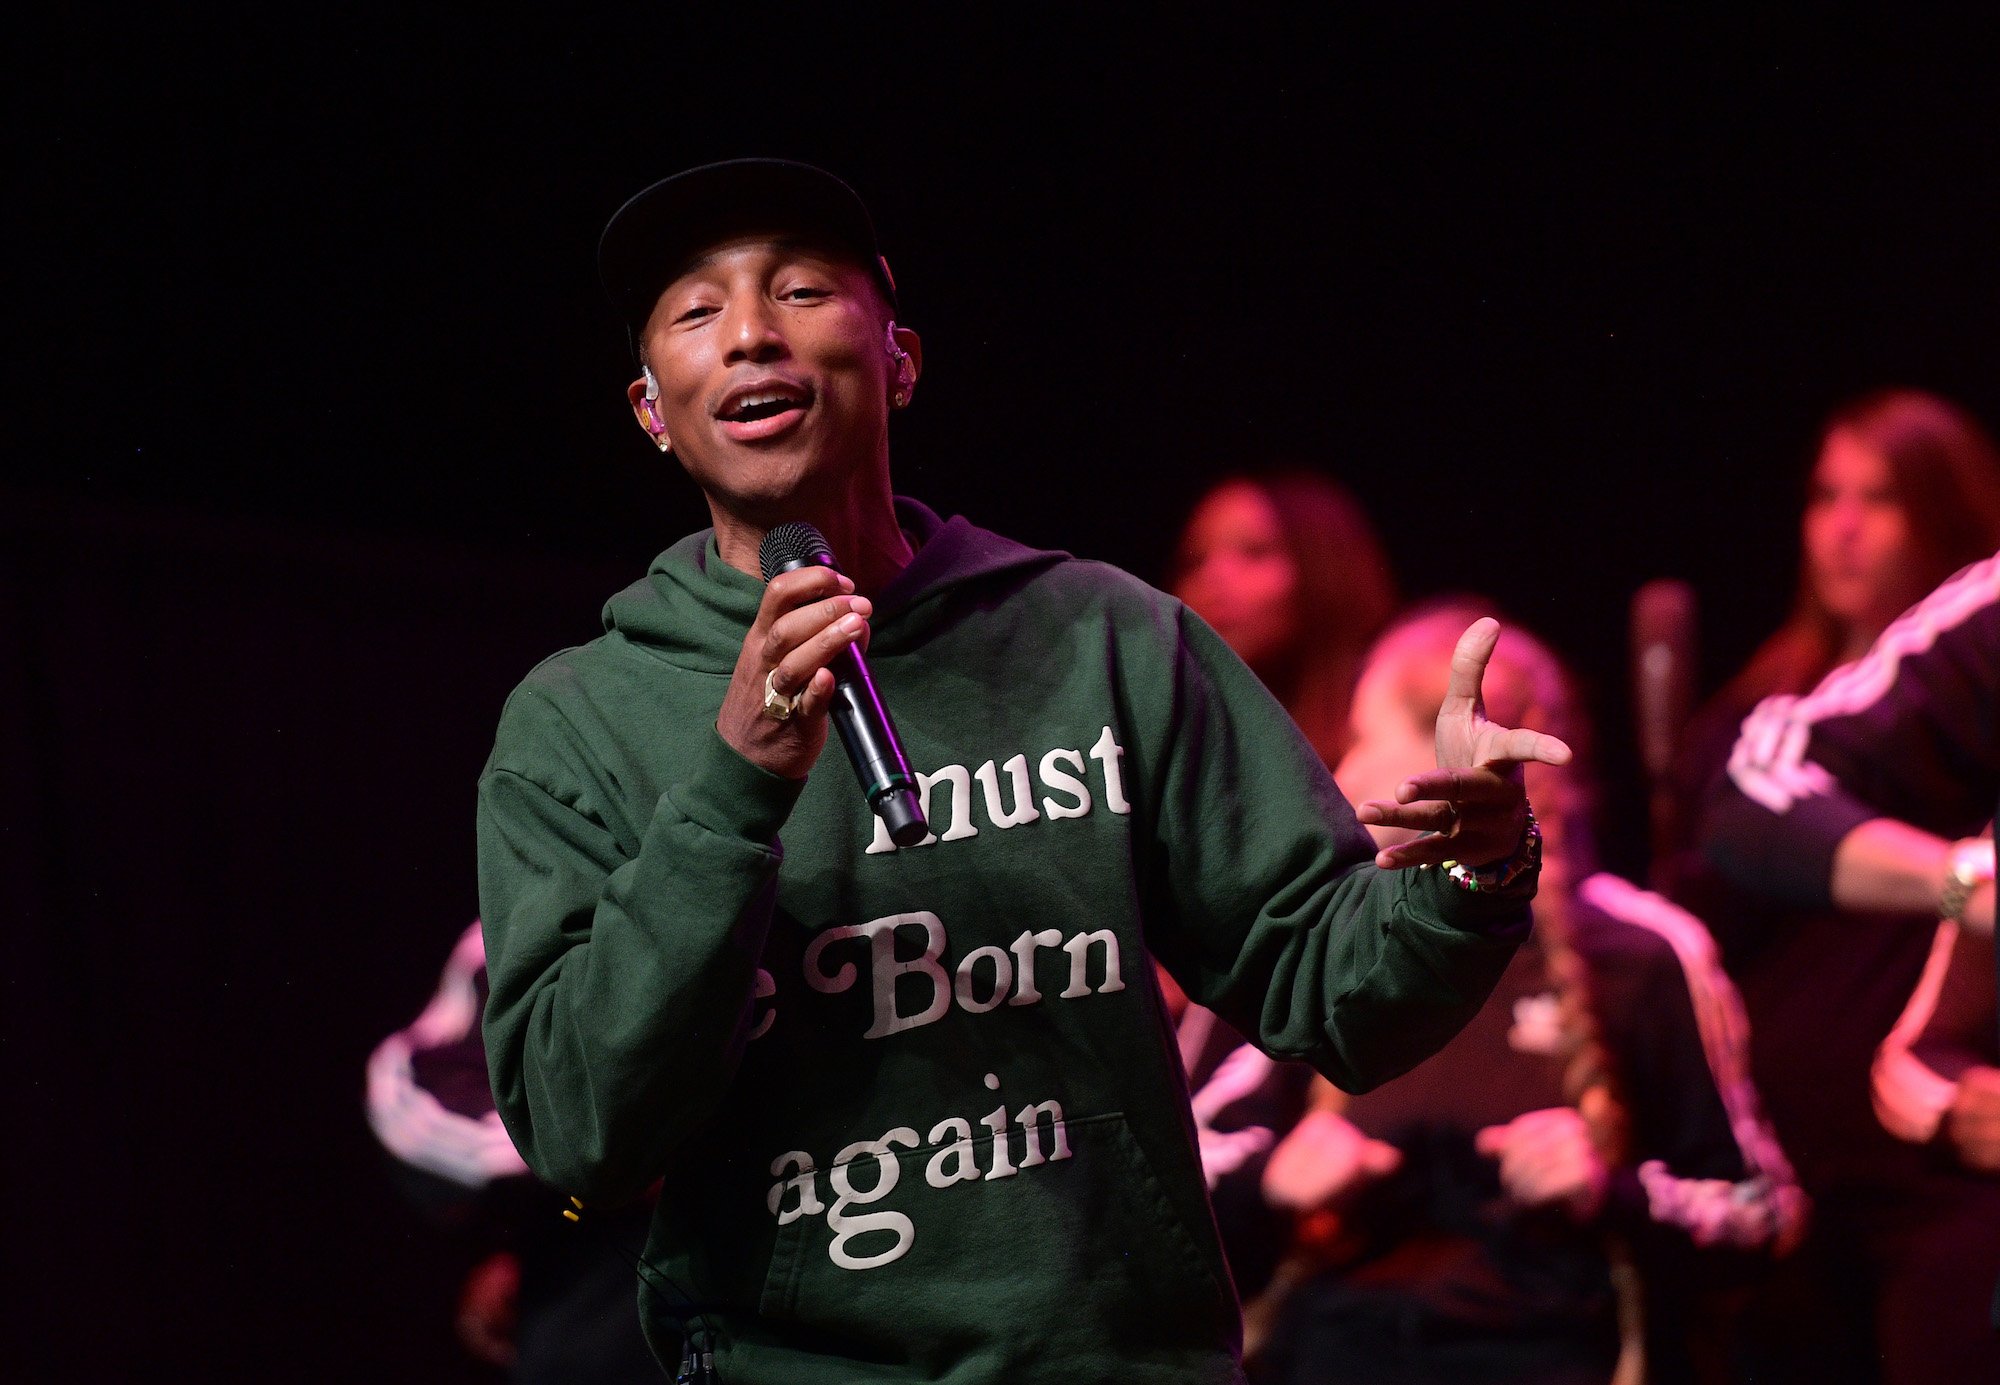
858,714
1663,658
1663,678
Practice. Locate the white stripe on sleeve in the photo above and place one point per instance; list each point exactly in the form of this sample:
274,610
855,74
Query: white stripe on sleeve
1767,1208
411,1123
1769,761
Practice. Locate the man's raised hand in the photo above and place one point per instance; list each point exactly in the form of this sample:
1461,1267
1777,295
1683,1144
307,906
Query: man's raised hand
1474,800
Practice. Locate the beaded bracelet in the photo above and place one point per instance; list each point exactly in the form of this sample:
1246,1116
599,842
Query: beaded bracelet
1527,856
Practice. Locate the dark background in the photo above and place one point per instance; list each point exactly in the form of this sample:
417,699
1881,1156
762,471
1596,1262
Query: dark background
319,443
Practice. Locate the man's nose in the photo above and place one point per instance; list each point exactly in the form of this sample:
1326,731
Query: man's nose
752,332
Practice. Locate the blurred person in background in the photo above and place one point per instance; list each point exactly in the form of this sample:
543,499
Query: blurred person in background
1868,804
1904,491
550,1303
1546,1198
1287,569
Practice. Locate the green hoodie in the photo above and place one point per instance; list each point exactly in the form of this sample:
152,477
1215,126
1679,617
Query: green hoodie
919,1114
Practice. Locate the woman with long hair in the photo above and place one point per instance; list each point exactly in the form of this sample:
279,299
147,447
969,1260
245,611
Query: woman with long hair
1904,491
1287,568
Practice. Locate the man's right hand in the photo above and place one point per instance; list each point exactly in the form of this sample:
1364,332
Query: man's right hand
807,617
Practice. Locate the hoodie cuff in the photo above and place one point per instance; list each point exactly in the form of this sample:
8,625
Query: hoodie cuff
729,796
1502,915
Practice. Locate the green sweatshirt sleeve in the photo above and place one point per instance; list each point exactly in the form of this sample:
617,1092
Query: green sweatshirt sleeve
622,982
1272,912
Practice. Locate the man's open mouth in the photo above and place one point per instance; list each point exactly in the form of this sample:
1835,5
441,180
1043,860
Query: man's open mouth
761,404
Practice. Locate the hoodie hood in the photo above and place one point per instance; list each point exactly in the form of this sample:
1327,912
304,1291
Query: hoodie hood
692,608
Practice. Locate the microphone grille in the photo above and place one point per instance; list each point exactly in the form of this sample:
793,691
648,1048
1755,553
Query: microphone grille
791,545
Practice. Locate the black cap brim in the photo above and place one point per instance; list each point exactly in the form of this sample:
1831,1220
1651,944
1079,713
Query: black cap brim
655,235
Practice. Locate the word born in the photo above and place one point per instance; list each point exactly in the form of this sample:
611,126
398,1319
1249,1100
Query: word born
1013,969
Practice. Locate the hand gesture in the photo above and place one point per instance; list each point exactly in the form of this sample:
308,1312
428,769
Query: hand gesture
1972,1123
807,617
1324,1159
1474,801
1547,1159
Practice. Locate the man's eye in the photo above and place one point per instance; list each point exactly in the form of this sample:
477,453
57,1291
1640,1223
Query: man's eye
805,292
694,313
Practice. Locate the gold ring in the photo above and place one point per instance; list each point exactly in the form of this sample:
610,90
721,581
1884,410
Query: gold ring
777,706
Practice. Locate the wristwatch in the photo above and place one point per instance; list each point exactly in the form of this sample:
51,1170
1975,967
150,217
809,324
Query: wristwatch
1968,866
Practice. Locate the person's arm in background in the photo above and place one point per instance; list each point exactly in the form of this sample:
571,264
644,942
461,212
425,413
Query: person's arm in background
1850,796
1243,1102
428,1099
1888,866
1704,1168
1935,1076
430,1105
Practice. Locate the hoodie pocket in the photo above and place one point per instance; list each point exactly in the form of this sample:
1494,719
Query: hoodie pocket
1057,1240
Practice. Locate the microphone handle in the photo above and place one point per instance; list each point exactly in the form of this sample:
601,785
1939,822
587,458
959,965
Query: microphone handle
869,736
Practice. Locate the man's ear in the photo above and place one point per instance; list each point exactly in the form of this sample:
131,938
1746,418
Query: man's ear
909,361
644,396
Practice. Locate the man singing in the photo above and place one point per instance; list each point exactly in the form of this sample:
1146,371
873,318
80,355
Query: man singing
917,1112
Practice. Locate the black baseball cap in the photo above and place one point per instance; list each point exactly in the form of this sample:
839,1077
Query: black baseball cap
650,238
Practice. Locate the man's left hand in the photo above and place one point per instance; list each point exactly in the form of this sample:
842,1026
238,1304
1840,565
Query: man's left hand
1475,800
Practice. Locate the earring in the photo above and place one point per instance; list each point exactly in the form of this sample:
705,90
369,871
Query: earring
901,397
896,352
